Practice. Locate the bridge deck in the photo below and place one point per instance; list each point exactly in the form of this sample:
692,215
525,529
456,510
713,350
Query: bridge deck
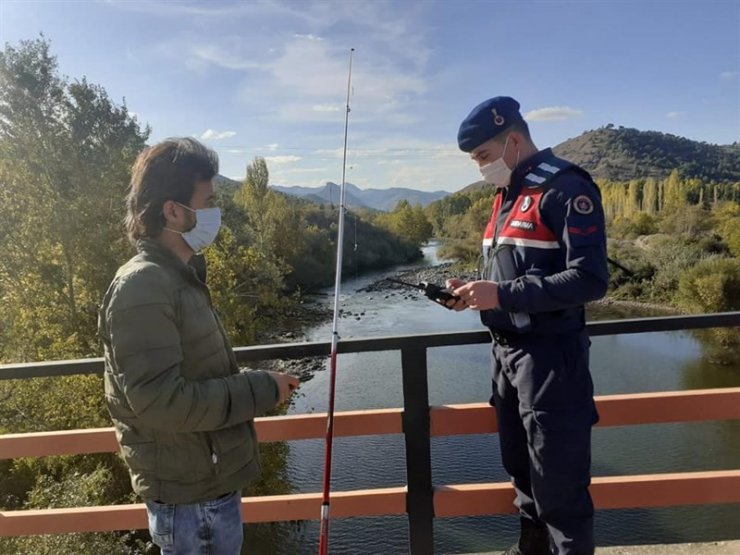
709,548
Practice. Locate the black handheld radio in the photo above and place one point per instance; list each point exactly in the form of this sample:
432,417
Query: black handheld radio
430,290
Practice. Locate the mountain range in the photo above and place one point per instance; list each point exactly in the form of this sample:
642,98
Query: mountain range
377,199
609,152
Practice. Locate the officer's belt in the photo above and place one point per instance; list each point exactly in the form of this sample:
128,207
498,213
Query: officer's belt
505,338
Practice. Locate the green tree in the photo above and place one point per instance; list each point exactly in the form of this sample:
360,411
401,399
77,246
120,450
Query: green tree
409,222
246,286
65,154
727,215
255,199
712,285
76,489
673,197
634,191
650,196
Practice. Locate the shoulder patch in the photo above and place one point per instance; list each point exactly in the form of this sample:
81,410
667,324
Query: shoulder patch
583,204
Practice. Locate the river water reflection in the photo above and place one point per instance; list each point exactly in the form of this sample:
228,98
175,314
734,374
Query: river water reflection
620,364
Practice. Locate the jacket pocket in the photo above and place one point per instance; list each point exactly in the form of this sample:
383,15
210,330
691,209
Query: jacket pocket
187,461
235,447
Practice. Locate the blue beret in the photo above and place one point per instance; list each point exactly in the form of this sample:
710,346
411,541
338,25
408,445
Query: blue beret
487,120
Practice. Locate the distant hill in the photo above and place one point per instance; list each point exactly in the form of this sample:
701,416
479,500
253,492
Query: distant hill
378,199
477,186
373,199
621,154
328,194
223,182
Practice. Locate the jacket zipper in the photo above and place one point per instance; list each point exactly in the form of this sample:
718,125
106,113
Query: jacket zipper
214,455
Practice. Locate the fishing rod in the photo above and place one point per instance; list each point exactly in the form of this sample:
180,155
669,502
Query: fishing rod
324,530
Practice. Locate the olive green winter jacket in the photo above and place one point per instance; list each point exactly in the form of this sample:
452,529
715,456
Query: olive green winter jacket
182,409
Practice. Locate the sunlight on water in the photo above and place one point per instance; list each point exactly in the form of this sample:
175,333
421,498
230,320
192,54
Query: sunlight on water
620,364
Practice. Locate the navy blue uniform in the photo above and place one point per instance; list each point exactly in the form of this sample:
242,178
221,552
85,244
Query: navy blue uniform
545,246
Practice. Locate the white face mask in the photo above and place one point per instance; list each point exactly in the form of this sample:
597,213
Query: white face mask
497,172
207,224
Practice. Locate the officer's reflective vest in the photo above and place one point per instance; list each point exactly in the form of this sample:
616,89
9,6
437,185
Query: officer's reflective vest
525,245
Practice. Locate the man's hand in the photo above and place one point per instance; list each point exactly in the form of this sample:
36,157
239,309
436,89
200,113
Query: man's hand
455,304
286,385
479,295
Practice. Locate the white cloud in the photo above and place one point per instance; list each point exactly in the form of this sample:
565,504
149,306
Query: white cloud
326,108
306,170
175,9
291,70
674,115
308,37
552,113
404,162
276,65
319,71
229,58
728,75
283,159
213,135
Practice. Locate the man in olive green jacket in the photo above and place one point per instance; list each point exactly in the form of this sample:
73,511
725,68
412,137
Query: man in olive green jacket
182,409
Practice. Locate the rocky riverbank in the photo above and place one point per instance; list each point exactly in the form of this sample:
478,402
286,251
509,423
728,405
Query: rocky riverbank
318,309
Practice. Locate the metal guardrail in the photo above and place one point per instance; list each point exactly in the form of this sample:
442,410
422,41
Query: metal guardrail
390,343
420,504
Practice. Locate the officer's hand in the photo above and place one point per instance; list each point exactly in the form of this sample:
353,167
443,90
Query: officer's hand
286,385
455,304
479,295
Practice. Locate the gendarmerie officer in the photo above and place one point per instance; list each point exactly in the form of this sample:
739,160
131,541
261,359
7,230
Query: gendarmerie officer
544,257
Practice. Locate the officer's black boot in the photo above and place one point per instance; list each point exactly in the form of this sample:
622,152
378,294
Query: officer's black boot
534,539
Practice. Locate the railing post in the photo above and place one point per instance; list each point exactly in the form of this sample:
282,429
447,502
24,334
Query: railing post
419,499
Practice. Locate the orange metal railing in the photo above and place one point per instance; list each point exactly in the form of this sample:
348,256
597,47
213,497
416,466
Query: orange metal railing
442,500
449,500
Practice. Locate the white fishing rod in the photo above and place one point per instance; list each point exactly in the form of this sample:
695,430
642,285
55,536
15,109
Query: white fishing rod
324,531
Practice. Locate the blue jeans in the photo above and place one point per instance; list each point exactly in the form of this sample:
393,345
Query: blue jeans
208,528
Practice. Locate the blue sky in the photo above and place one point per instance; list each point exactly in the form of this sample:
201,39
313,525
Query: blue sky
268,78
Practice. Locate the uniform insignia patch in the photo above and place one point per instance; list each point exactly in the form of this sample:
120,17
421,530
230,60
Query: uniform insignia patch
583,205
526,203
523,224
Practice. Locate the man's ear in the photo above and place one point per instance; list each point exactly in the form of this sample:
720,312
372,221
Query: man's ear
169,210
515,139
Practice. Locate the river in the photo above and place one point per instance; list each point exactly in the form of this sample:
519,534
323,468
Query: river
620,364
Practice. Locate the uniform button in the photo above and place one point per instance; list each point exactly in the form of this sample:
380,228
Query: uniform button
214,458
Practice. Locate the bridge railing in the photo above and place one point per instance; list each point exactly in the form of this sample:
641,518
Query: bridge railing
420,499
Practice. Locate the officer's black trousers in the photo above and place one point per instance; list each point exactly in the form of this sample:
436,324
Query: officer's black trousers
543,394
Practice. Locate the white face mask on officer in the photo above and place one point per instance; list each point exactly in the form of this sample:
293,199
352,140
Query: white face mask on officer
207,224
497,172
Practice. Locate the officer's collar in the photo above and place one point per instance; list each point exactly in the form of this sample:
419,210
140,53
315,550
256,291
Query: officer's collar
525,166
